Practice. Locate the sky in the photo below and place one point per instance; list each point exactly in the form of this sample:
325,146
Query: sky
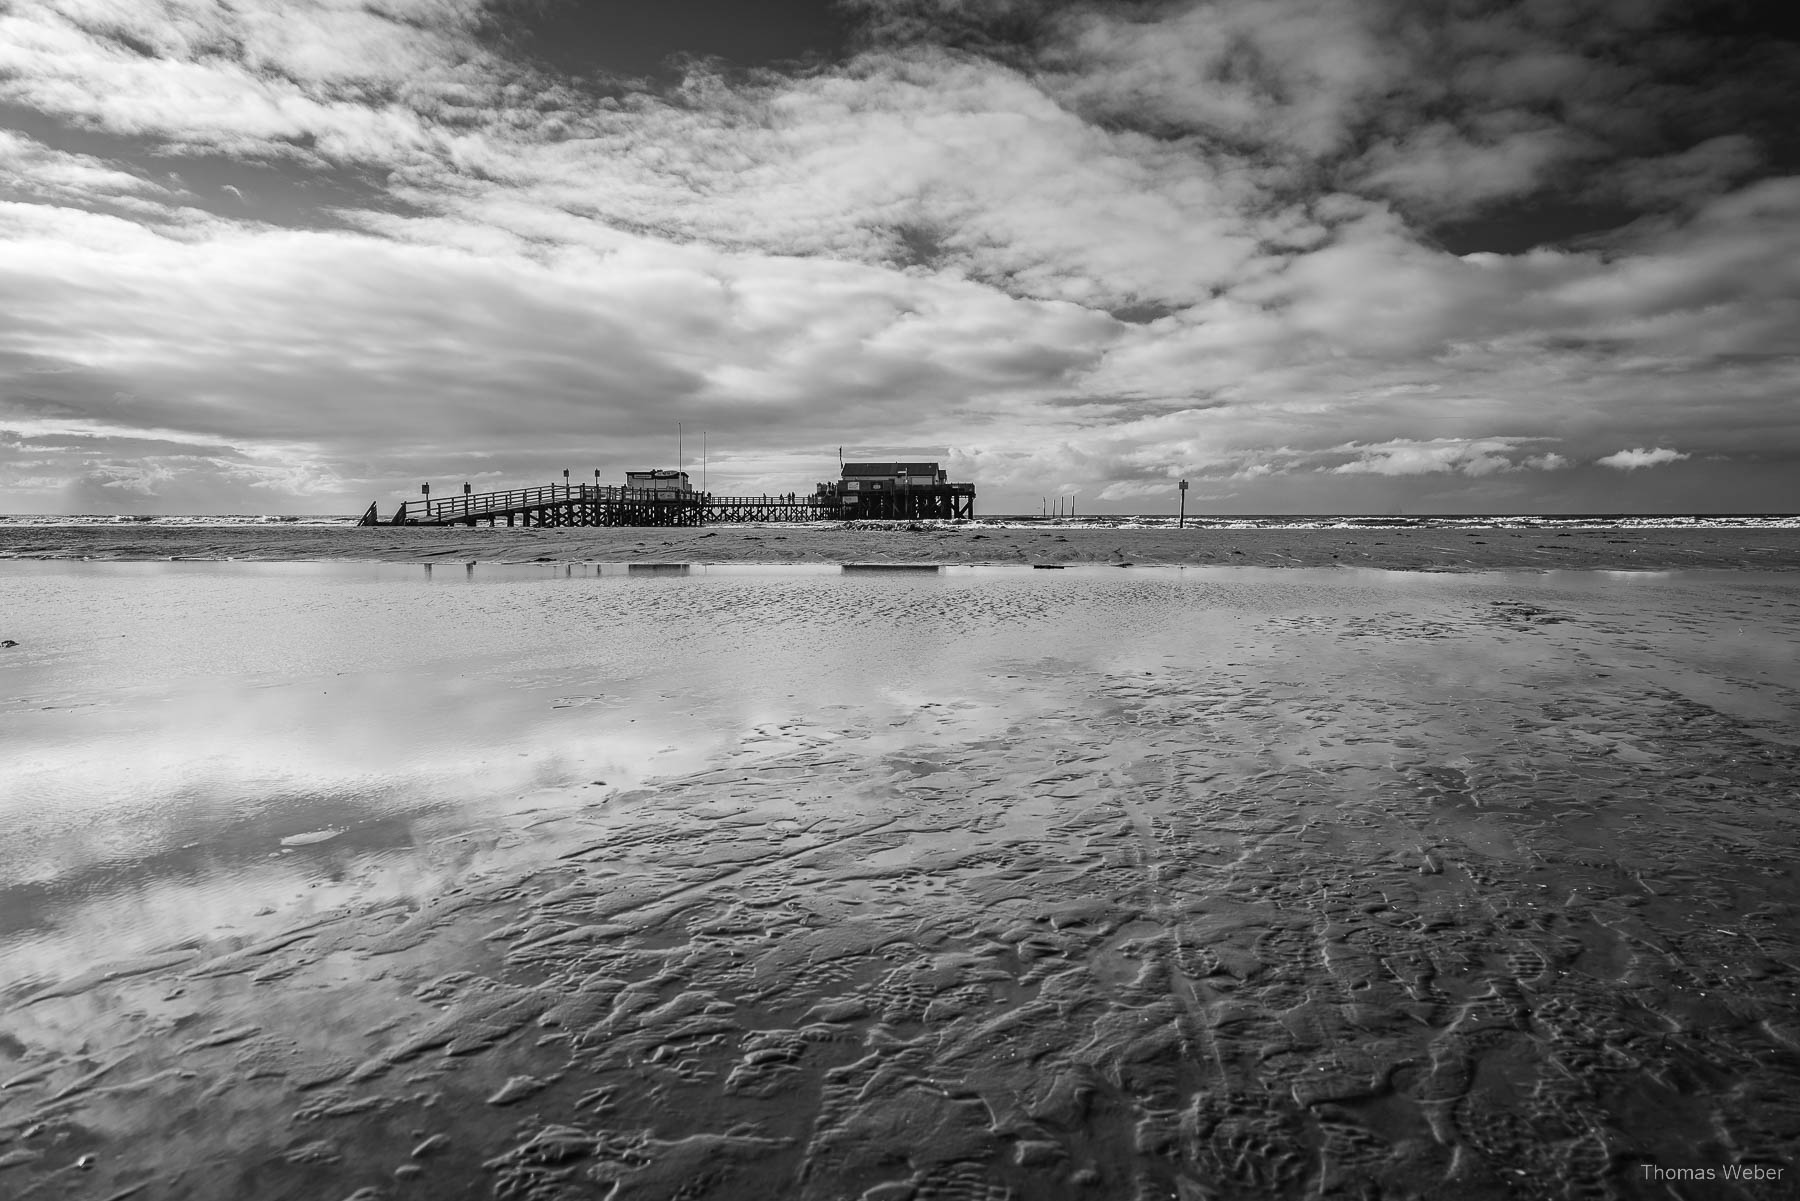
1354,256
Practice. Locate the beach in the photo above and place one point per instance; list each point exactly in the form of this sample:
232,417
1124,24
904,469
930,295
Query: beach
1397,545
689,863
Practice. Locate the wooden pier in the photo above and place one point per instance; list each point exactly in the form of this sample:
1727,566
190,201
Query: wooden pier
585,505
556,506
878,491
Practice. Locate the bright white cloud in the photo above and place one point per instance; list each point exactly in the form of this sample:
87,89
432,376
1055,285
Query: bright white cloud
1475,458
1631,460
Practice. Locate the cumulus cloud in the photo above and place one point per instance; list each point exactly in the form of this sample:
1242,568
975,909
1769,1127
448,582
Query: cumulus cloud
1442,170
1473,458
1631,460
1697,174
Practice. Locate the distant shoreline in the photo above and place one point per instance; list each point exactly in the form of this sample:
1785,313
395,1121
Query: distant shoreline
1104,521
1398,548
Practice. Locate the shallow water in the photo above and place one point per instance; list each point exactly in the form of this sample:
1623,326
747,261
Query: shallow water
789,881
1597,521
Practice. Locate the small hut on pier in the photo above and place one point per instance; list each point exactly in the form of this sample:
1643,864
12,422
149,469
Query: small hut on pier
659,484
895,490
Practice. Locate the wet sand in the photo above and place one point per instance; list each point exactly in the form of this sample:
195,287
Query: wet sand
1064,885
1398,549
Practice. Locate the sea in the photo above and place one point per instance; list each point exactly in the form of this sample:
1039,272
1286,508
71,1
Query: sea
1108,521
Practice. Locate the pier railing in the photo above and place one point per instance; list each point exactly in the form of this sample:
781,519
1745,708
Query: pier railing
612,505
451,509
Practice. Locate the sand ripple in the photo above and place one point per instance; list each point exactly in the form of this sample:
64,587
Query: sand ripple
1193,930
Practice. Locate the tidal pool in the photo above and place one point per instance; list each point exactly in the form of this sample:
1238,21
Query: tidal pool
570,880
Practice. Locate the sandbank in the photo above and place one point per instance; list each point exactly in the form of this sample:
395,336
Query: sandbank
1072,884
1398,548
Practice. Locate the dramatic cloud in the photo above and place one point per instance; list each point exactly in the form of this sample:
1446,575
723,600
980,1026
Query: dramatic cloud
1346,254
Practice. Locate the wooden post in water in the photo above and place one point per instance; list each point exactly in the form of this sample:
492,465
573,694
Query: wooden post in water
1182,524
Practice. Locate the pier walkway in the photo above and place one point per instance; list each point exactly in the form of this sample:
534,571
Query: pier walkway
568,505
